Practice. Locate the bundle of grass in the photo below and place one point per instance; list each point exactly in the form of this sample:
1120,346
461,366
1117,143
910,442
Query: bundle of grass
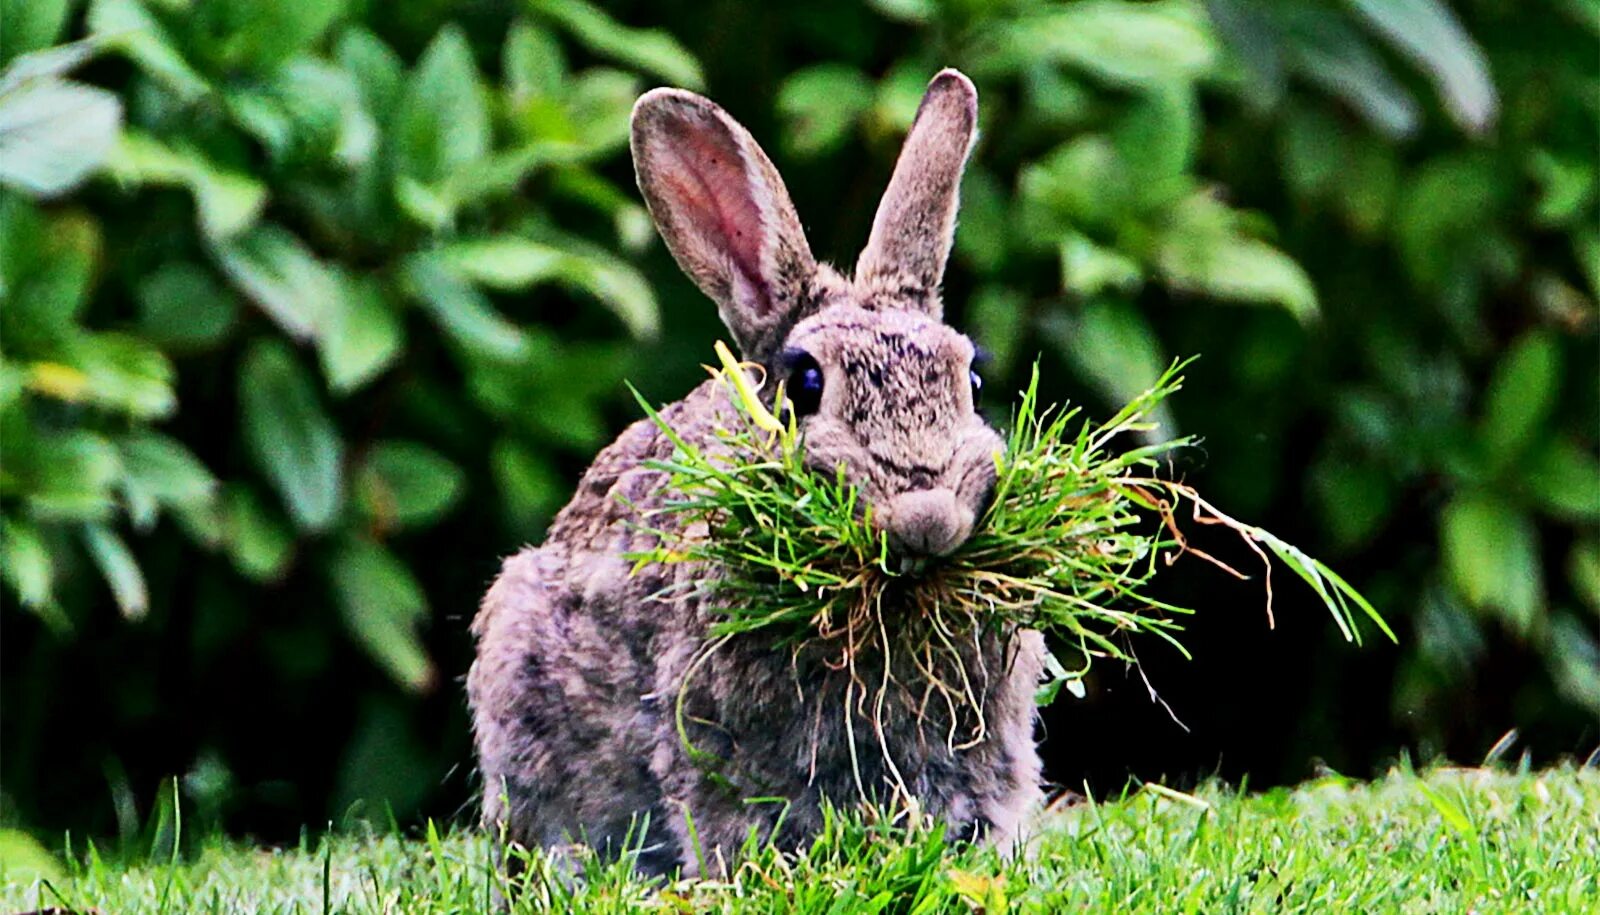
1069,545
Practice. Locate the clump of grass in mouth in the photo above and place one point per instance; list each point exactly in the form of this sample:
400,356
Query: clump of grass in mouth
1068,546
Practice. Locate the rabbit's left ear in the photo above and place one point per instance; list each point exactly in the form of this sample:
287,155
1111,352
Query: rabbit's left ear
916,222
724,214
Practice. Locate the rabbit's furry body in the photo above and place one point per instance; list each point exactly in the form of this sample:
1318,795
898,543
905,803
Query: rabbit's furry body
585,676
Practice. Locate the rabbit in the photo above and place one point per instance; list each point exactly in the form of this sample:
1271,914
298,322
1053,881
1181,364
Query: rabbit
585,673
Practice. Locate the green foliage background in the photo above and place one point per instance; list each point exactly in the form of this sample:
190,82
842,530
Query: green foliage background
309,311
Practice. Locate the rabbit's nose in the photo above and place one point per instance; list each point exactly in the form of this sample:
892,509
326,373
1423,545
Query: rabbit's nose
926,522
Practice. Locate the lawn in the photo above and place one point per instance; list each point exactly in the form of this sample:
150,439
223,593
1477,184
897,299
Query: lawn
1450,840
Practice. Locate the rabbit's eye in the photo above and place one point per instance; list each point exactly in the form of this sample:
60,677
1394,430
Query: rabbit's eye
805,385
977,385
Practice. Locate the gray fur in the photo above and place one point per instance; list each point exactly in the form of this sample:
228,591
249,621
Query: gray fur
580,668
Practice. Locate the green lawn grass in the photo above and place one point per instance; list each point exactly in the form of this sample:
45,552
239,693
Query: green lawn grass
1452,840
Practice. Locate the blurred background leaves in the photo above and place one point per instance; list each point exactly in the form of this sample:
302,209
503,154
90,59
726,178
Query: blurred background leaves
311,311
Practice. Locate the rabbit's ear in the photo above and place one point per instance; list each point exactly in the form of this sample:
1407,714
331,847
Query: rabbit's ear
916,222
724,214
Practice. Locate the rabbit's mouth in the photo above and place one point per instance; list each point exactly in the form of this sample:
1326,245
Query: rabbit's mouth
923,524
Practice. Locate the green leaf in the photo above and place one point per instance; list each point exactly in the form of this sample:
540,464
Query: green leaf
1566,187
1563,479
361,335
49,264
1312,148
1491,551
1115,348
382,604
257,36
913,11
258,544
653,51
1201,252
120,570
344,127
227,202
30,25
54,133
1134,45
556,390
1368,185
47,63
124,373
183,308
1583,569
617,285
13,381
375,67
503,262
821,105
533,64
1428,33
443,122
27,565
127,26
1327,51
1155,137
1586,250
74,481
256,111
899,96
1081,184
600,107
431,208
463,312
310,112
290,437
274,269
158,471
1060,99
1522,391
23,860
634,229
1087,269
201,523
1574,660
404,484
1056,676
1444,217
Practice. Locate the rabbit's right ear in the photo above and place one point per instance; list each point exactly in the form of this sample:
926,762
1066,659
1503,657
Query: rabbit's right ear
916,222
724,214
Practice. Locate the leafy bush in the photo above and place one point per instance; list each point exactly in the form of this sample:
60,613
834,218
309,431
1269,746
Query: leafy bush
310,232
310,310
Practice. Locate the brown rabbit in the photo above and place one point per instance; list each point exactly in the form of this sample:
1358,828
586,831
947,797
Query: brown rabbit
583,677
